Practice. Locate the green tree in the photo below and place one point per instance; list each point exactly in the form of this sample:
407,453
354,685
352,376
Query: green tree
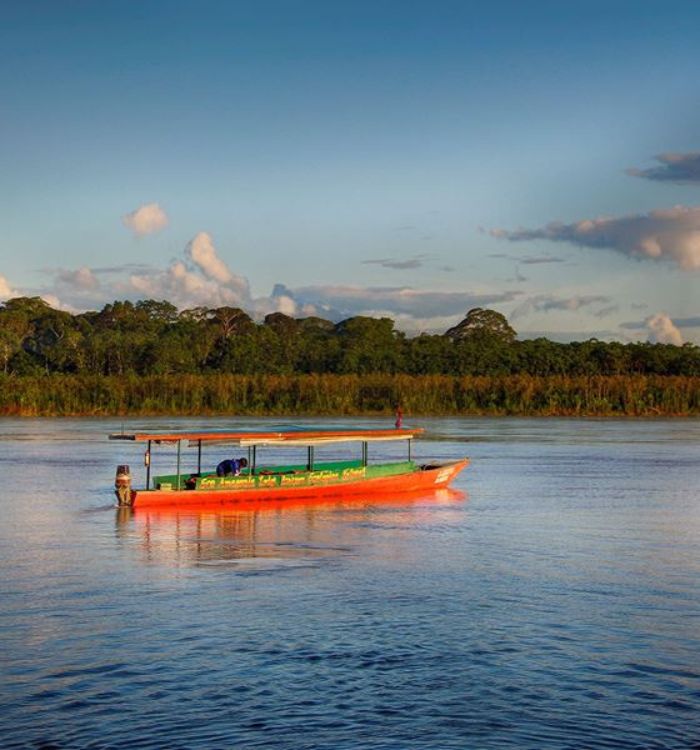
483,323
14,329
428,355
369,345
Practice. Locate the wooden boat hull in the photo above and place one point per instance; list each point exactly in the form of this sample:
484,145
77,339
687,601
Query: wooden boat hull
434,476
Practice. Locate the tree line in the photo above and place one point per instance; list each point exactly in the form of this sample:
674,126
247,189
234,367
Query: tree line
349,395
152,338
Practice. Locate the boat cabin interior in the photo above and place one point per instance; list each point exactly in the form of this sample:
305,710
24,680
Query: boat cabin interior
263,474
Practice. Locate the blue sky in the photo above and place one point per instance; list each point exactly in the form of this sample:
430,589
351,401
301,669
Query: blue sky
411,159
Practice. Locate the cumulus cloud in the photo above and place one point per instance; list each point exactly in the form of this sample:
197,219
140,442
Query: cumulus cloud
6,290
58,304
200,277
661,330
203,278
146,219
547,303
680,323
664,234
680,168
201,251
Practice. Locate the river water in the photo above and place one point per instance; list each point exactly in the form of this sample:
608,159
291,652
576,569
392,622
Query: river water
552,601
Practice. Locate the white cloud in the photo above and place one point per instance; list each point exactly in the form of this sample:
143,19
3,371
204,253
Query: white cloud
6,291
82,279
661,330
412,310
286,305
664,234
58,304
202,279
201,251
146,219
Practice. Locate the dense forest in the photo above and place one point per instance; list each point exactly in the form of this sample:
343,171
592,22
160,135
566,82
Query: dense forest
149,358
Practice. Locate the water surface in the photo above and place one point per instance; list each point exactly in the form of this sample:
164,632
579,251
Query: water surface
553,601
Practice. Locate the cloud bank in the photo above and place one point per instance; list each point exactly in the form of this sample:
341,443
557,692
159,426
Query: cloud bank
146,219
339,302
679,168
548,303
201,277
664,234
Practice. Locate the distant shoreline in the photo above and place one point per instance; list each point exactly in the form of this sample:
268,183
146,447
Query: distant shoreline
349,395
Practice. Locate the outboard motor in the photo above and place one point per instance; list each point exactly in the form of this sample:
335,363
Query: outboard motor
122,485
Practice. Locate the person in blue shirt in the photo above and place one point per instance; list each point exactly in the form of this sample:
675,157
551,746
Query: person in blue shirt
231,467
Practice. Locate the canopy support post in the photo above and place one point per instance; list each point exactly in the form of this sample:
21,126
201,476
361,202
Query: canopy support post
148,466
250,462
178,463
364,453
409,449
253,464
199,457
310,458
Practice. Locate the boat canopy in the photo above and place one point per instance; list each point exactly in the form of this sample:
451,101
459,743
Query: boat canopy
288,436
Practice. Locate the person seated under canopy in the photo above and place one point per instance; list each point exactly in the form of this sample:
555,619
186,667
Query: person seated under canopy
231,467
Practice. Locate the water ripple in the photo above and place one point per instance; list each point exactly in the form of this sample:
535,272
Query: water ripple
555,609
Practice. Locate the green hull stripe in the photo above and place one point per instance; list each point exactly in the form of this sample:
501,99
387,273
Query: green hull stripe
289,476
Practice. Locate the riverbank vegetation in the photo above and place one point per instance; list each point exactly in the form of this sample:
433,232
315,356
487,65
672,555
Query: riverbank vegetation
347,395
146,358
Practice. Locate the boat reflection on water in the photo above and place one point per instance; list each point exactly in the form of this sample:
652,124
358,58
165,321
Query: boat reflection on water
275,533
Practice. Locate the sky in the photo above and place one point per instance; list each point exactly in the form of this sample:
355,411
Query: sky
388,158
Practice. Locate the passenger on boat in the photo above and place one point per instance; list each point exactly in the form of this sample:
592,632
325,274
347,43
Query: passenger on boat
231,466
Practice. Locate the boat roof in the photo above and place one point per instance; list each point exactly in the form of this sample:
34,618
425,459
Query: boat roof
287,436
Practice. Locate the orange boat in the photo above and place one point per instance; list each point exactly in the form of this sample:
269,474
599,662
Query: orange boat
261,482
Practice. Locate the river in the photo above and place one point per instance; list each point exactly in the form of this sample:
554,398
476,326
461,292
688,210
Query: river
551,601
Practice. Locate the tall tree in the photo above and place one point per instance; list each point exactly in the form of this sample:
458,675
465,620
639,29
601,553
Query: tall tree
481,323
369,345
